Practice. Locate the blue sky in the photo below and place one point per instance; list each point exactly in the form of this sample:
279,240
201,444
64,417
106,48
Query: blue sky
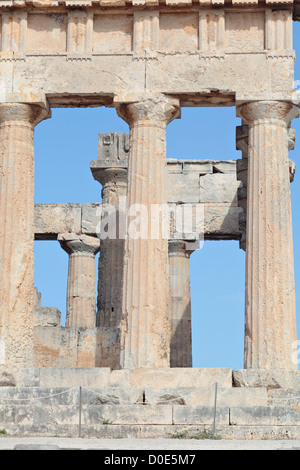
64,147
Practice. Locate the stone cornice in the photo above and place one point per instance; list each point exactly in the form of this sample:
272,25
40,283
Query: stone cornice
71,4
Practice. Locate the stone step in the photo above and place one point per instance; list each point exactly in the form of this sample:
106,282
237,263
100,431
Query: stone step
284,397
270,378
129,396
206,396
265,415
70,396
43,414
109,431
109,414
105,377
231,397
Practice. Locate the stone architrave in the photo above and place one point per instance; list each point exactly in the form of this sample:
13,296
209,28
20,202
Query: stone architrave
145,329
17,123
81,289
270,323
180,307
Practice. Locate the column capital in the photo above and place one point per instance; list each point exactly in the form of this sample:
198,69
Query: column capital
254,111
147,108
24,113
75,244
179,247
107,176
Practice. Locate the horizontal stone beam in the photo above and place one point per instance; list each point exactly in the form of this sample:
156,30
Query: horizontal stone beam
221,221
192,185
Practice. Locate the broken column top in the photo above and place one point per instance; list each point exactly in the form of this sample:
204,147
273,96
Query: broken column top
113,149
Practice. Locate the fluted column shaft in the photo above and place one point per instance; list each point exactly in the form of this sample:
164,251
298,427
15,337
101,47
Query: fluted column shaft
81,287
17,122
270,323
111,260
180,307
145,330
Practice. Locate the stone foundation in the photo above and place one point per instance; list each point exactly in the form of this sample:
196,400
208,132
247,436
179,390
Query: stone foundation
146,403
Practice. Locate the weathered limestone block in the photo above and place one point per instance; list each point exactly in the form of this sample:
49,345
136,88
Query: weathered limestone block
220,188
146,32
200,415
45,316
7,379
90,219
171,378
98,347
113,396
221,221
89,377
75,347
127,414
264,416
270,378
177,185
55,347
206,396
51,219
138,49
113,150
80,33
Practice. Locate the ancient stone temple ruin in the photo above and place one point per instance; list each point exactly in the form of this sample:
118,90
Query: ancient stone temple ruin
128,339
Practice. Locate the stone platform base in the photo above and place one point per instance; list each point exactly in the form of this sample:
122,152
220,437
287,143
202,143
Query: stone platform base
145,403
100,377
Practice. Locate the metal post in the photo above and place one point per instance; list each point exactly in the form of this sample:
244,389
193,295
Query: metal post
80,406
215,409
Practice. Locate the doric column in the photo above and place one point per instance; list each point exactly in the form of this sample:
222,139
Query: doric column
270,328
111,259
180,306
242,139
17,122
146,290
81,289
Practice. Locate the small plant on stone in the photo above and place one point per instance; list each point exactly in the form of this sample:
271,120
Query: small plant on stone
105,421
180,435
3,431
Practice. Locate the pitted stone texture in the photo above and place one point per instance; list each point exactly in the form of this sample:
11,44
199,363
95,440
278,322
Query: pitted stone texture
75,347
64,377
272,378
52,219
171,378
205,396
45,316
